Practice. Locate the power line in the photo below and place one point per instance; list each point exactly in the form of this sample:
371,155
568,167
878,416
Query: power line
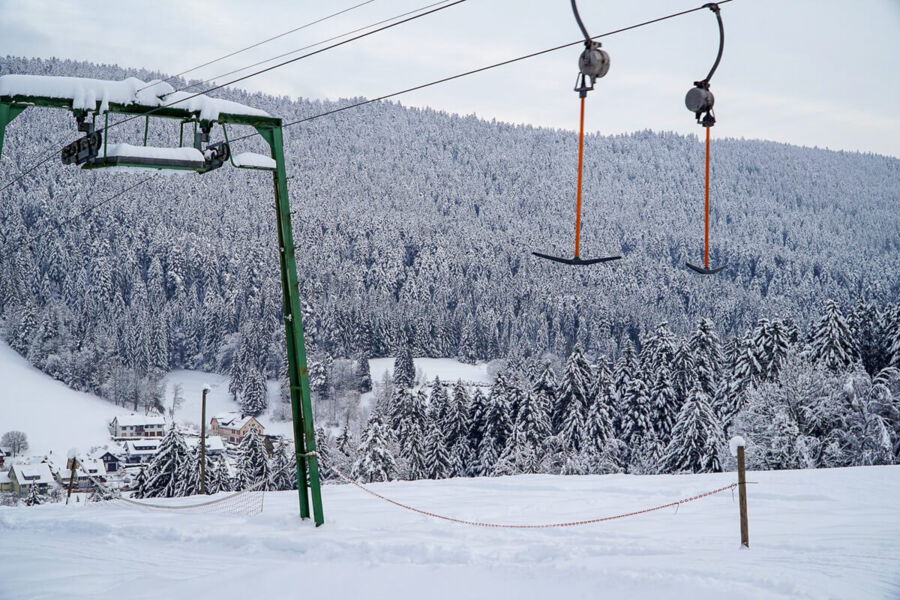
325,41
254,74
265,41
481,69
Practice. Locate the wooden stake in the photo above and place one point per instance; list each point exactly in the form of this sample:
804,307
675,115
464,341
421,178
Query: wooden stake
73,464
203,442
742,494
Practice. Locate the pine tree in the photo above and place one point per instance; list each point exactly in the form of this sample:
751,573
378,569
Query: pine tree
637,413
477,422
253,463
708,359
437,454
284,464
665,406
696,438
497,420
168,473
375,458
455,423
832,343
218,479
254,400
658,348
573,401
34,497
363,375
404,369
411,435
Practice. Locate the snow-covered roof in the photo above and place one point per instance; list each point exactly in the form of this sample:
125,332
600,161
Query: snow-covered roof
4,477
134,420
233,420
87,93
34,473
142,446
213,443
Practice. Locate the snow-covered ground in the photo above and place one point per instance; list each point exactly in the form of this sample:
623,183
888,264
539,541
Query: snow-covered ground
52,415
448,369
813,534
56,418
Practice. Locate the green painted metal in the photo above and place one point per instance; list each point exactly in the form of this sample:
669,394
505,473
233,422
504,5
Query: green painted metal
298,370
308,479
8,112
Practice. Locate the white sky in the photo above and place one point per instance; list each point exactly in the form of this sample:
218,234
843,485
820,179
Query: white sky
810,72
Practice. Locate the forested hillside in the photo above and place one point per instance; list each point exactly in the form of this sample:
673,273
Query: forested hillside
414,229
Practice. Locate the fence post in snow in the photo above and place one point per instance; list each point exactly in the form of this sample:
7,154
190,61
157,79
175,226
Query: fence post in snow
737,448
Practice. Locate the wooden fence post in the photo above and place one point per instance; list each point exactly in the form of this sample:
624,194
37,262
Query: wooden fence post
742,494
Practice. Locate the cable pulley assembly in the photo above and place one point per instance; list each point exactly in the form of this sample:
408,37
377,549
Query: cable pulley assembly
593,63
700,100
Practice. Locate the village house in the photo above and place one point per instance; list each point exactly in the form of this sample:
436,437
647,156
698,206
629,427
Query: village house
233,426
87,471
137,426
22,477
214,445
139,452
110,461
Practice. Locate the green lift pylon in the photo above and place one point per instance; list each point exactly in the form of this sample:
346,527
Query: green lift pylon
270,128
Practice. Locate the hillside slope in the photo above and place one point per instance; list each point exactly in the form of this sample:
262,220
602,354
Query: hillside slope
823,534
416,227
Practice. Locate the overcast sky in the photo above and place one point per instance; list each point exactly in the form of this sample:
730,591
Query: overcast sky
811,72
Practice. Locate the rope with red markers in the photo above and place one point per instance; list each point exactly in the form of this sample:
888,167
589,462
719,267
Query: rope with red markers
426,513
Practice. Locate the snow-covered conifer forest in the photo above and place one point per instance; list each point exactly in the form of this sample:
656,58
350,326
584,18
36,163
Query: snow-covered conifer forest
414,231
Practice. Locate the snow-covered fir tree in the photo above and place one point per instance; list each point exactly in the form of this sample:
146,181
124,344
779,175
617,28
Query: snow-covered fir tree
832,343
404,368
253,469
697,438
169,472
375,458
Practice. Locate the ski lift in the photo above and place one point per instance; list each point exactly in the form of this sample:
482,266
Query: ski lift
94,151
592,64
700,101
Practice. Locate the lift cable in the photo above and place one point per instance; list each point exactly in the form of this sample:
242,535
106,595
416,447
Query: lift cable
265,41
307,47
418,87
54,153
481,69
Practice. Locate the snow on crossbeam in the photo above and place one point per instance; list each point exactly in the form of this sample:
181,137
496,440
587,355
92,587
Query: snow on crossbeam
251,160
125,155
97,94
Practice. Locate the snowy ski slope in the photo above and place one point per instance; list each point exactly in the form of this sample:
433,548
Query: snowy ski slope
814,534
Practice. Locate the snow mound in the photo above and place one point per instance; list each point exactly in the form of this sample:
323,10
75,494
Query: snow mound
734,443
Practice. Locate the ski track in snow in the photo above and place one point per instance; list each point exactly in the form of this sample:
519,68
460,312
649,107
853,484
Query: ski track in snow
814,534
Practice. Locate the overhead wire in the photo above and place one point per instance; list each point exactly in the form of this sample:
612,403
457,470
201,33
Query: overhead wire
307,47
480,69
242,78
260,43
393,94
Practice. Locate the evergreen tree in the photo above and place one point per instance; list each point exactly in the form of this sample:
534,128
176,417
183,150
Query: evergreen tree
253,463
34,497
455,422
375,458
497,420
363,375
437,455
404,369
477,421
832,343
665,406
708,360
696,438
637,413
169,472
412,432
284,464
573,400
254,399
218,478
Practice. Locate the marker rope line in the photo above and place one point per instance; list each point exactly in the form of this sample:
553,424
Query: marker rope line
426,513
